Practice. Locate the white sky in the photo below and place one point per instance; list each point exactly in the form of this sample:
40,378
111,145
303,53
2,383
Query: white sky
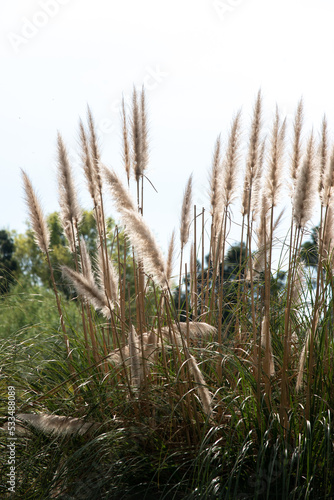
208,58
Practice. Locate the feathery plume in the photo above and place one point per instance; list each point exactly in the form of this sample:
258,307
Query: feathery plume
303,199
120,194
323,153
144,242
199,333
253,155
328,244
88,290
38,222
170,258
201,386
297,146
85,262
136,137
144,131
215,182
257,186
94,148
297,284
274,174
108,277
185,213
150,346
126,147
57,424
328,181
70,212
88,165
230,164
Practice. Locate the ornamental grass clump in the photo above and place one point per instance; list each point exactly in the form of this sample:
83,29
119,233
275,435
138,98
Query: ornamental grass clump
212,382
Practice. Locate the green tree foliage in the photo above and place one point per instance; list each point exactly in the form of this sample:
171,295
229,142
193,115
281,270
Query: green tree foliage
8,263
31,260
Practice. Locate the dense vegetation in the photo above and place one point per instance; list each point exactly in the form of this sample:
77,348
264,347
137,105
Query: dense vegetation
215,383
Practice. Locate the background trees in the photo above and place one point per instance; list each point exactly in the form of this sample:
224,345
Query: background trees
8,263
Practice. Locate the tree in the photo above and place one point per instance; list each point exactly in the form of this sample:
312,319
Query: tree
31,260
8,264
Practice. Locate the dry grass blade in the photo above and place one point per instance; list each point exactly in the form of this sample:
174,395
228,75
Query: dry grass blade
185,213
38,222
88,290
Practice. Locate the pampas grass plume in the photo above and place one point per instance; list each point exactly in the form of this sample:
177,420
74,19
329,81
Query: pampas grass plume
38,222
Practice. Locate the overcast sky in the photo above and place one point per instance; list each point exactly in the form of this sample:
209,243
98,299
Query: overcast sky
199,60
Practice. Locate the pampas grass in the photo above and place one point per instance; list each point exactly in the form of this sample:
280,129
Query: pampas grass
201,386
120,194
136,127
297,143
89,291
241,370
70,213
186,214
144,242
215,183
170,259
107,277
88,165
126,145
275,170
38,222
253,155
231,163
304,196
94,150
